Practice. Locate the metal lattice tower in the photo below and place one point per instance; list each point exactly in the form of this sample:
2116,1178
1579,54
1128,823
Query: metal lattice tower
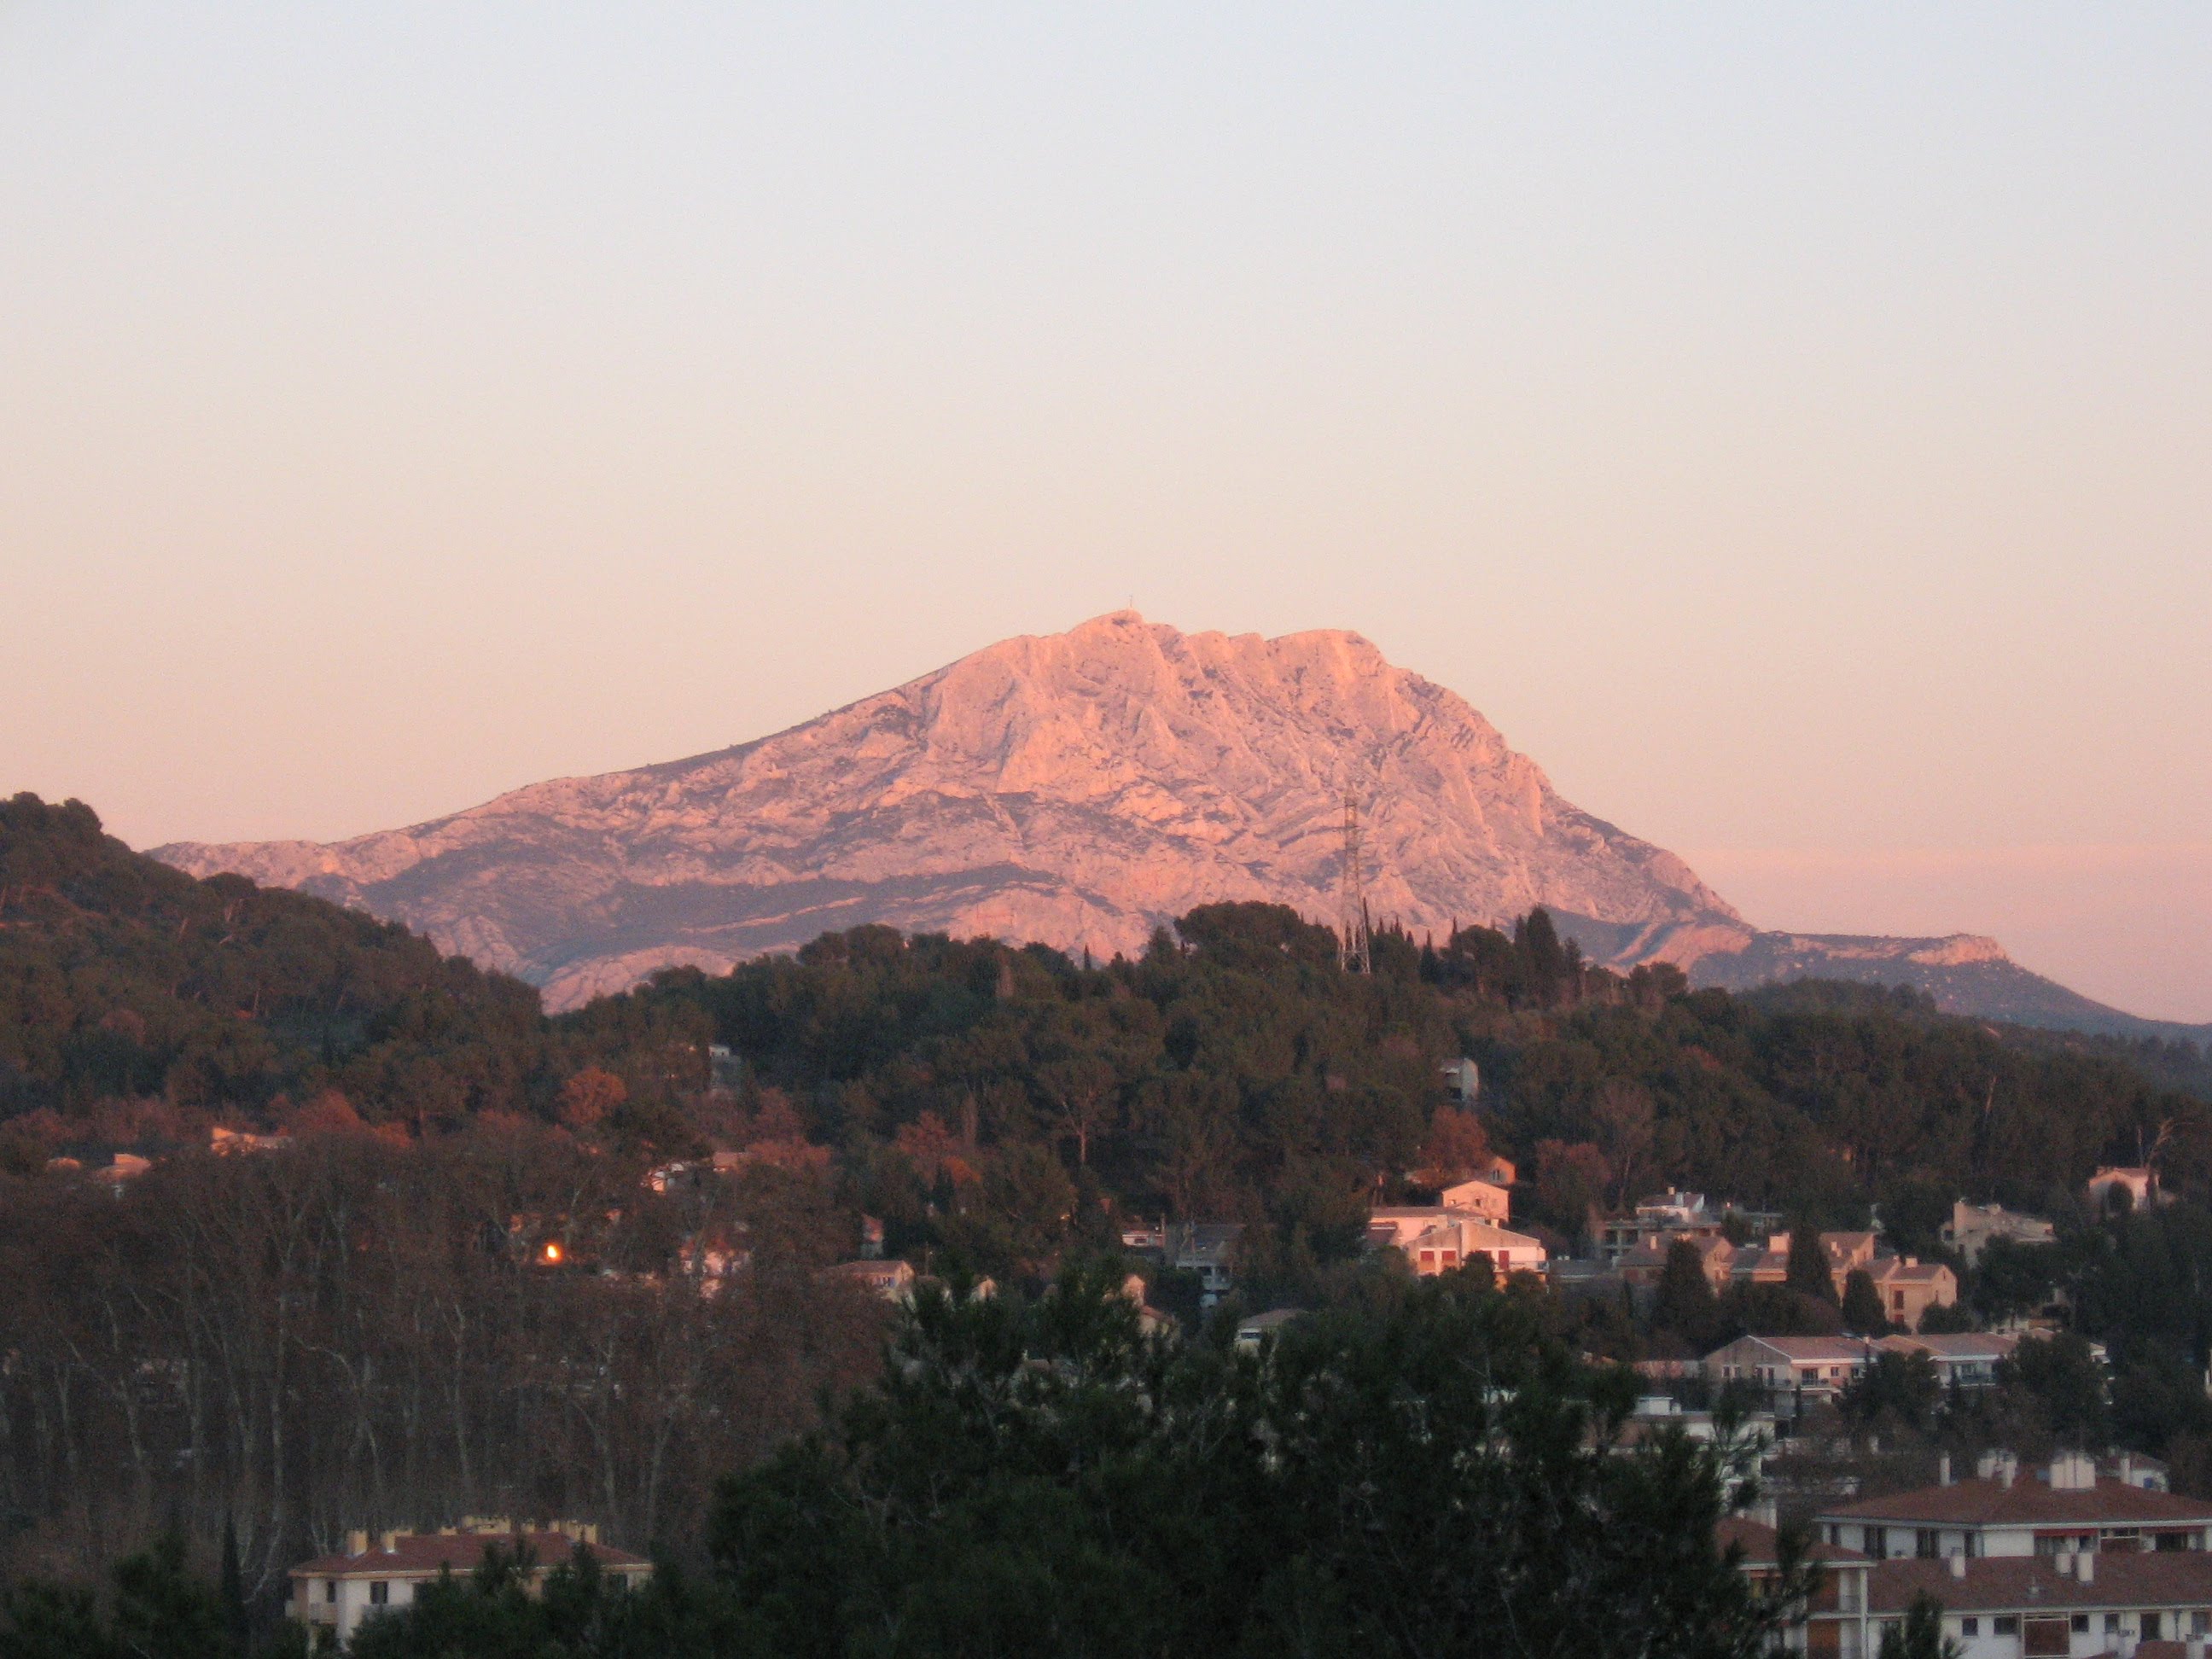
1352,954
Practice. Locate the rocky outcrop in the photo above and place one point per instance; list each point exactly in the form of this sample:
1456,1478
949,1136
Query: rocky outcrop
1080,788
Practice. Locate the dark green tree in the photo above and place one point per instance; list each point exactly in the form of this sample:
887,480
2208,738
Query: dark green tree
2058,1380
1685,1303
1809,1274
1919,1635
1862,1312
1040,1478
1901,1391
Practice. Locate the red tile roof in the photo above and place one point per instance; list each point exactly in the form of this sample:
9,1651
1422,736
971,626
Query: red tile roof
423,1553
1762,1544
2029,1502
2022,1584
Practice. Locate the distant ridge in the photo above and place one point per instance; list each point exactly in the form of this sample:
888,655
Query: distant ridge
1081,789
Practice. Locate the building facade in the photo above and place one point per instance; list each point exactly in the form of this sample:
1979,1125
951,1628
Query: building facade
341,1592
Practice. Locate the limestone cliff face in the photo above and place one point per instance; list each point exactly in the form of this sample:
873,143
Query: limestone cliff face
1078,788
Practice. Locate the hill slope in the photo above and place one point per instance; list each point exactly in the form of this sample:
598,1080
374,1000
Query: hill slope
122,979
1081,789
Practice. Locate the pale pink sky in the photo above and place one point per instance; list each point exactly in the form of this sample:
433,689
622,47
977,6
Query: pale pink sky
1790,427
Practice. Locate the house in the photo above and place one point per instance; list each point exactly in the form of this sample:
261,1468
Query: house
1646,1264
2140,1187
340,1591
126,1168
2000,1607
1673,1212
1968,1360
1908,1287
1654,1412
1484,1198
1761,1264
1971,1226
707,1261
1435,1240
1835,1625
1255,1332
1462,1081
1844,1251
1582,1276
1207,1249
2069,1508
1807,1367
231,1142
891,1280
1146,1237
1150,1322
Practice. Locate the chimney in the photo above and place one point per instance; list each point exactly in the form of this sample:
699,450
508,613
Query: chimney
1959,1565
2066,1563
1943,1470
591,1532
2005,1470
388,1542
357,1541
2085,1566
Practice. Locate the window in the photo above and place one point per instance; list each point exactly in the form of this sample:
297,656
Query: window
1926,1544
380,1592
2005,1624
1877,1543
330,1589
1970,1626
2112,1624
2080,1624
2150,1631
2200,1623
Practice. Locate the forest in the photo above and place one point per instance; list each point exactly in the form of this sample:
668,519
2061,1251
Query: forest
468,1275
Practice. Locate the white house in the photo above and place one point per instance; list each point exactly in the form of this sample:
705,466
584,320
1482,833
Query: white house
1971,1226
1968,1360
2008,1607
2067,1508
1817,1366
1436,1240
1483,1198
340,1591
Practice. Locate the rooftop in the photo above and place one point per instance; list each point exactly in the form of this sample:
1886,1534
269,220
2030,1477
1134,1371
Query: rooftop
1762,1545
1812,1349
2029,1502
422,1554
1969,1345
2006,1583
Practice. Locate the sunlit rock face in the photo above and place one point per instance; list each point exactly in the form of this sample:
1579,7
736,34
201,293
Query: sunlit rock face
1079,789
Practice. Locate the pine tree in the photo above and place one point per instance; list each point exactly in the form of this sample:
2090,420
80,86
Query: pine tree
1808,1272
1862,1313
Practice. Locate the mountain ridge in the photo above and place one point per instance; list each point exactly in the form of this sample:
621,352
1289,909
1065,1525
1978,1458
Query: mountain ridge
1081,789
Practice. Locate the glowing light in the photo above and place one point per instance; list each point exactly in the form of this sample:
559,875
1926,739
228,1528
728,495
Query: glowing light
551,1253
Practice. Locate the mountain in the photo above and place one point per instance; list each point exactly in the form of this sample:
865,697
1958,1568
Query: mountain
1081,789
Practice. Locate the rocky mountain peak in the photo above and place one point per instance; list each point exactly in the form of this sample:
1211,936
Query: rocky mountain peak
1081,789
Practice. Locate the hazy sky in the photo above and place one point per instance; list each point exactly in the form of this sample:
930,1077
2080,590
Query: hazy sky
1791,425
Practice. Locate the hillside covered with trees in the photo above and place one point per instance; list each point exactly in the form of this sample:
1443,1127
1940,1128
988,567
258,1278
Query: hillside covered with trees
367,1327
